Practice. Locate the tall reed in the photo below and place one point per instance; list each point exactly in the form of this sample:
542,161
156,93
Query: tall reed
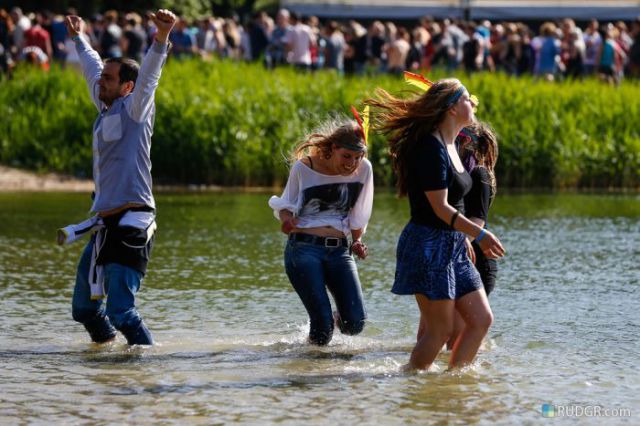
232,123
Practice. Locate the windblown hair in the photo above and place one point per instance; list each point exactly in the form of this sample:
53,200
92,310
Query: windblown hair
484,150
406,122
336,130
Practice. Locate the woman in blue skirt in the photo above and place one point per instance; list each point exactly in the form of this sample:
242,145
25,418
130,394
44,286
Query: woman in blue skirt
433,263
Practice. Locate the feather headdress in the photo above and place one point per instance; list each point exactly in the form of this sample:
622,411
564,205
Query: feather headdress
362,122
418,81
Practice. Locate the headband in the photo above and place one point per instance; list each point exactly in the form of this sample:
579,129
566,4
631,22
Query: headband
425,84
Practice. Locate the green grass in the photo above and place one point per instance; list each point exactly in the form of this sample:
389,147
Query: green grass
234,123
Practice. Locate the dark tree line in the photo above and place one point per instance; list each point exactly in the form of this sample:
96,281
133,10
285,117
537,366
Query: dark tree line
189,8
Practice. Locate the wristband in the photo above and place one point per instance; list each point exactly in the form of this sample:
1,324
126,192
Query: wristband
75,37
481,235
453,219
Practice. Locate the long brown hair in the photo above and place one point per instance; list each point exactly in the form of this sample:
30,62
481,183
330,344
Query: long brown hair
407,121
485,151
337,130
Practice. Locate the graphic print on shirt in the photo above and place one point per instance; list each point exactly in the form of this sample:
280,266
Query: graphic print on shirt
334,199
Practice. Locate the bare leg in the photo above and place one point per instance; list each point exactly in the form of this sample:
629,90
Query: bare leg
439,315
458,325
474,309
422,327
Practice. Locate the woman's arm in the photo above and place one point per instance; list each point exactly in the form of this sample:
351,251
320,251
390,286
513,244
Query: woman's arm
488,242
478,200
358,247
356,234
361,212
477,221
285,205
287,221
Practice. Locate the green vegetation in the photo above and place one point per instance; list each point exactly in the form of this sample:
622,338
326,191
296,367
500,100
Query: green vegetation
234,123
187,8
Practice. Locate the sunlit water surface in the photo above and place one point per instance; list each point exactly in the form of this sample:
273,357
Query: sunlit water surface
231,333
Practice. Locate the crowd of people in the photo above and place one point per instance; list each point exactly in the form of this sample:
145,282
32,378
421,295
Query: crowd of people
556,50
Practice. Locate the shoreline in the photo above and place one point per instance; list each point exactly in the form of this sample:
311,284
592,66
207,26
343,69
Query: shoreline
19,180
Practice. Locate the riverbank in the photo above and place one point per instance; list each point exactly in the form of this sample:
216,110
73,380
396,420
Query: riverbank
12,179
18,180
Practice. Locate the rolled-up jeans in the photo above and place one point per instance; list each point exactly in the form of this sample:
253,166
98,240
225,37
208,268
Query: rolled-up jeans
312,269
121,284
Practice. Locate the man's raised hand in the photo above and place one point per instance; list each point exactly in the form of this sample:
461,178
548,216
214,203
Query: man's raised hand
75,25
164,21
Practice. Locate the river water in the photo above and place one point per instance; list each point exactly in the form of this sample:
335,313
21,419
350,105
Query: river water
231,332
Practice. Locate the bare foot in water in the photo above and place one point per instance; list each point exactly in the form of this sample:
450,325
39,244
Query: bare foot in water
407,368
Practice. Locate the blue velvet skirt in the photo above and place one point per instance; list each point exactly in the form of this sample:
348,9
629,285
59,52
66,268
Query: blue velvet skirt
434,262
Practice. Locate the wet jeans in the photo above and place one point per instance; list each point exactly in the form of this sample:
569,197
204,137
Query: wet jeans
121,284
312,269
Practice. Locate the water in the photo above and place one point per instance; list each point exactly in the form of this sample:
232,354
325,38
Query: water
231,331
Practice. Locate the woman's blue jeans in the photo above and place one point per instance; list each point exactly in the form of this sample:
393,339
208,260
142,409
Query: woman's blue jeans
312,269
121,284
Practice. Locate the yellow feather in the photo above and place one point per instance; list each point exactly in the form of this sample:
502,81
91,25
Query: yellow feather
417,80
474,99
365,124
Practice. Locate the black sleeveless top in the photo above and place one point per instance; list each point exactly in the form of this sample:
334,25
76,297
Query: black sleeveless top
431,169
478,200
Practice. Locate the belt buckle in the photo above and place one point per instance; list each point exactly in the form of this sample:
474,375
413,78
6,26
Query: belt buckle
331,242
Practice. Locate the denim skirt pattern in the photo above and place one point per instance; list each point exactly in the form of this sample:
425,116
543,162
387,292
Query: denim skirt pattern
434,262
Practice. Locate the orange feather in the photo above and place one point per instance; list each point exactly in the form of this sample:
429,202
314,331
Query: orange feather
417,80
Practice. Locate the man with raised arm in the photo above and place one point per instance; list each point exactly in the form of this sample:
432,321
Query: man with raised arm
115,260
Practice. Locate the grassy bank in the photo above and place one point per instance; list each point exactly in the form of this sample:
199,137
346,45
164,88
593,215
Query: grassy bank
233,124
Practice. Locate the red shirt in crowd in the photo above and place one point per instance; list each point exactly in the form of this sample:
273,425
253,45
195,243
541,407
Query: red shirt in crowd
38,36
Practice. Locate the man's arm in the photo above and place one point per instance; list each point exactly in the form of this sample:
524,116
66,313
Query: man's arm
142,98
89,59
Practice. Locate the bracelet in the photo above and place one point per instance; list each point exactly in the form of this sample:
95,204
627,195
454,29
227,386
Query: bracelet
481,235
75,37
453,219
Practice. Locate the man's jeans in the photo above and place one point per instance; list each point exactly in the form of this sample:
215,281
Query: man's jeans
310,268
121,284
